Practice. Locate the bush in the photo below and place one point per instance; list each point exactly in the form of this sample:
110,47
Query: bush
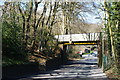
11,42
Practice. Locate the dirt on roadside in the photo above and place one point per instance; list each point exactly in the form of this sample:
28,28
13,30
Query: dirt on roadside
112,75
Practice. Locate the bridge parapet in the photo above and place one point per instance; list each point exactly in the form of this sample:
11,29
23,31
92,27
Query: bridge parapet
78,37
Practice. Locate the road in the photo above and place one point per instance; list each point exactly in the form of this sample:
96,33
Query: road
84,69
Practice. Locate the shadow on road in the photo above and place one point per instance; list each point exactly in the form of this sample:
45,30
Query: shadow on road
84,69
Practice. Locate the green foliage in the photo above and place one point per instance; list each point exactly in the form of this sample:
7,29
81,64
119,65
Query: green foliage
113,31
11,41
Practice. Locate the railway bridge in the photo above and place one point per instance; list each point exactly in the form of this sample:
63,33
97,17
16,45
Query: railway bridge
82,39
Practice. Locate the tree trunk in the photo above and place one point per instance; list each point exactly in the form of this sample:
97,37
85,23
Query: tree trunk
23,24
28,23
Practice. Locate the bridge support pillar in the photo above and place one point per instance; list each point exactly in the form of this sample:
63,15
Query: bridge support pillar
64,54
100,52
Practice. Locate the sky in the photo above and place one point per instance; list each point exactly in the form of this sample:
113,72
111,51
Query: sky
1,2
93,19
90,17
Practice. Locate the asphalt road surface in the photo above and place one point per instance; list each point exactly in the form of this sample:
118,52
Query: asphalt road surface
84,69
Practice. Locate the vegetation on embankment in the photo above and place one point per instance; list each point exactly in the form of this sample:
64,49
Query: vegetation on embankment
112,74
112,32
28,33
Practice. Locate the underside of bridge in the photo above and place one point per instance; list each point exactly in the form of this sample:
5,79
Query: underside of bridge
97,43
80,43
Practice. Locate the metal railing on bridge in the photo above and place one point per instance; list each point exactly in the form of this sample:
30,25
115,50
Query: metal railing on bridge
79,37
